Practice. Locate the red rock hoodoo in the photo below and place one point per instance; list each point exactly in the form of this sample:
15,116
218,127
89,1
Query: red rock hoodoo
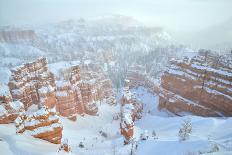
32,83
73,92
200,85
80,88
131,110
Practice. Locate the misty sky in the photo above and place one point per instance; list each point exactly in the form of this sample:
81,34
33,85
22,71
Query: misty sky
172,14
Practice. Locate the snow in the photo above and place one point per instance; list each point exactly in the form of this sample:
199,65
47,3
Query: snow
86,129
16,105
16,92
41,112
57,67
4,90
5,150
2,110
62,93
5,75
45,129
150,101
62,83
209,69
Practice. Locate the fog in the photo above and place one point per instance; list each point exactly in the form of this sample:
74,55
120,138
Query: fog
186,20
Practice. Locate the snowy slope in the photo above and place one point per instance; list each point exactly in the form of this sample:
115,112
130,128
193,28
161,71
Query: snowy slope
206,132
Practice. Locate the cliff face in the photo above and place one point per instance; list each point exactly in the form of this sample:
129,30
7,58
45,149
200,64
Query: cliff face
43,124
16,36
66,99
102,86
200,85
33,83
80,88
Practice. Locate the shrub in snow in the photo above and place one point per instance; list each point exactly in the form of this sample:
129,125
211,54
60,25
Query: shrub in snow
116,116
65,146
214,148
81,145
103,134
185,130
154,134
144,135
191,153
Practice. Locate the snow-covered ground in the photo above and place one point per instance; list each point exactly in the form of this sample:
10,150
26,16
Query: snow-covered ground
206,133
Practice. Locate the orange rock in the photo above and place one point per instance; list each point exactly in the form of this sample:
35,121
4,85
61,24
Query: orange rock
9,109
200,85
43,124
33,83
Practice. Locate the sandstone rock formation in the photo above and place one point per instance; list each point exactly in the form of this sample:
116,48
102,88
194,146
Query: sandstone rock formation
200,85
66,99
130,111
43,124
77,89
102,85
32,83
16,36
9,109
137,77
80,88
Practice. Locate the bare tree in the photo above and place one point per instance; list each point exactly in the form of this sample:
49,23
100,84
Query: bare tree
185,130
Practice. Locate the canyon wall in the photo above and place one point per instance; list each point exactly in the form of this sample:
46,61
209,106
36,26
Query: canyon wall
200,85
17,36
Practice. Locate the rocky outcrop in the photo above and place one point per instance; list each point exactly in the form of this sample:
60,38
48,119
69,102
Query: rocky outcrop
102,86
80,88
200,85
9,109
33,83
131,110
137,77
17,36
43,124
66,100
73,92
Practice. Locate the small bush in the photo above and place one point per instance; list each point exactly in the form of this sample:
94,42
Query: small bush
185,130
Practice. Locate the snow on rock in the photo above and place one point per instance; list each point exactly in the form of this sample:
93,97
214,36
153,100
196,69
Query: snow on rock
32,82
139,78
200,85
43,124
80,87
66,100
9,109
130,110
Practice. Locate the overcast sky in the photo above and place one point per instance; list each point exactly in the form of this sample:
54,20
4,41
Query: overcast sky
173,14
